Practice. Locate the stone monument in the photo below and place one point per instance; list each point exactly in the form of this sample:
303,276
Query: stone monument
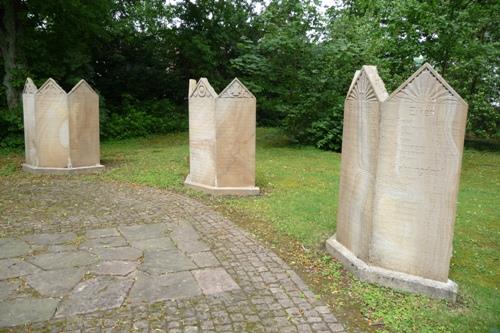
61,130
221,139
407,218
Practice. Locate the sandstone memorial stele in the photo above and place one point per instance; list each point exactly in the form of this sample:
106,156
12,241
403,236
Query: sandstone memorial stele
400,170
61,129
221,139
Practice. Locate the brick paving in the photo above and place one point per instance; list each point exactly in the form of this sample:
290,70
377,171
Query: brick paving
84,256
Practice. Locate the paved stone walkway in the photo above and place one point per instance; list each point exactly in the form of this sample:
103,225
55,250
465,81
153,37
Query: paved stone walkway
84,256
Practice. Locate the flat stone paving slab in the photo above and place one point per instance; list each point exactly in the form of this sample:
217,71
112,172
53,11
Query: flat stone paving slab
214,280
107,232
63,259
147,231
112,241
116,267
153,261
8,289
100,293
50,239
163,243
118,253
26,310
159,262
204,259
10,247
149,289
57,282
10,268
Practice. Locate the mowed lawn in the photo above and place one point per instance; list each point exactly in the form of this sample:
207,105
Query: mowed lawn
296,213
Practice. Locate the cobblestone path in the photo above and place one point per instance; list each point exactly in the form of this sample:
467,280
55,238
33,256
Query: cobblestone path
84,256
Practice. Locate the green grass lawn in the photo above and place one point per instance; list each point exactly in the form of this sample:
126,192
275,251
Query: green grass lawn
296,213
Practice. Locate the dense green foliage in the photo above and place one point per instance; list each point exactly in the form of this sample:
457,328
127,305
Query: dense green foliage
297,56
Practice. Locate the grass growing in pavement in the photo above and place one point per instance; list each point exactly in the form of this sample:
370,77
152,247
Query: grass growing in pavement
297,212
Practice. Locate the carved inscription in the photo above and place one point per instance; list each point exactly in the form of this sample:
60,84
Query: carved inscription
422,128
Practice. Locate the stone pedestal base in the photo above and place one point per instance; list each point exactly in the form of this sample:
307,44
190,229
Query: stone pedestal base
392,279
240,191
62,171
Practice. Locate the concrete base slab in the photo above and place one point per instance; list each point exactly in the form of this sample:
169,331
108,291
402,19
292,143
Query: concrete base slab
62,171
241,191
388,278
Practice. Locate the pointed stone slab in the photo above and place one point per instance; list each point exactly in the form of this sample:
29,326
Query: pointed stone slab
202,134
203,89
24,311
418,170
359,160
29,122
83,104
235,140
59,260
236,89
149,289
97,294
10,247
52,126
11,268
55,283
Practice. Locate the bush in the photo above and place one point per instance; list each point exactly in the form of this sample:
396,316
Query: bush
140,119
11,128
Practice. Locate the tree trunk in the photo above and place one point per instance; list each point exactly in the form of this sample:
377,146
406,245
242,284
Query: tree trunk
8,36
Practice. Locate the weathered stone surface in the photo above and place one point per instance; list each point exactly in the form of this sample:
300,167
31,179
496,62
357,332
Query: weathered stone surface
147,231
61,248
8,289
10,247
163,243
268,287
222,139
113,241
51,126
107,232
418,172
50,239
359,160
99,293
63,259
83,105
26,310
159,262
398,195
115,267
204,259
61,130
29,92
150,289
118,253
214,280
55,283
187,239
10,268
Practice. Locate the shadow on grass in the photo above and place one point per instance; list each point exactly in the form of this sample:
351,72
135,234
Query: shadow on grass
483,145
